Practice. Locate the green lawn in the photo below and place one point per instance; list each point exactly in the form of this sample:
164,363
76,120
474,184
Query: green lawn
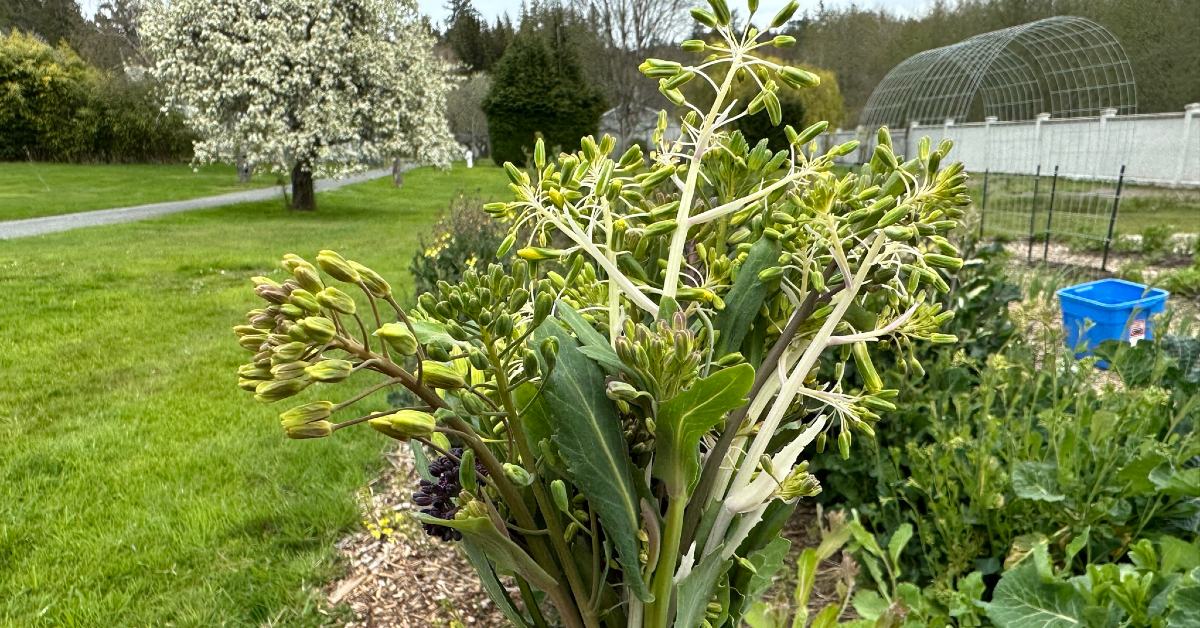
141,488
28,190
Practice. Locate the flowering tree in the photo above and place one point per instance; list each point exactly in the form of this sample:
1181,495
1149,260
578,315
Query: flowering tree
309,87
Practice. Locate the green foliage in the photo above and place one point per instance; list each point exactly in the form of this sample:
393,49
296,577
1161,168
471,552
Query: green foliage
56,107
799,108
538,88
463,239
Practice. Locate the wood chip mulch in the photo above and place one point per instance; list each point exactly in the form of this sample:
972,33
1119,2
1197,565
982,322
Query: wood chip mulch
404,578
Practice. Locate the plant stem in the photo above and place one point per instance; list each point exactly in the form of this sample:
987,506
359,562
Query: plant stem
657,614
679,237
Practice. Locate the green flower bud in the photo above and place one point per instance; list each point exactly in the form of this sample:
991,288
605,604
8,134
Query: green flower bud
406,424
783,41
529,364
333,263
659,68
943,261
784,14
558,491
330,370
468,478
440,375
943,339
798,78
549,352
799,483
822,438
289,352
254,371
316,429
844,444
336,300
517,474
704,17
305,300
542,307
620,391
306,275
320,329
248,384
537,253
291,311
289,370
375,283
307,413
899,233
770,274
268,392
693,45
398,337
866,368
441,440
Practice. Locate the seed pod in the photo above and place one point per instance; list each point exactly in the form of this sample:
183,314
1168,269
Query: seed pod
268,392
336,300
866,368
333,263
375,283
398,337
316,429
439,375
307,413
320,329
330,370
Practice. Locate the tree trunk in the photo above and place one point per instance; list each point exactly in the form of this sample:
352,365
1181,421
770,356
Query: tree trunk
303,196
397,172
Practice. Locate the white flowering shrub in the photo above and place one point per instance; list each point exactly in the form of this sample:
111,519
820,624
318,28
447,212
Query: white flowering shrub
307,87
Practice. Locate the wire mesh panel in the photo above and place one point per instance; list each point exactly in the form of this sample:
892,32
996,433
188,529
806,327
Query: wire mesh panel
1047,161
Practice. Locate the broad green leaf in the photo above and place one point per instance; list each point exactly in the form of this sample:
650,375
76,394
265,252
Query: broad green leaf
696,589
749,584
1185,606
686,417
588,435
1178,554
1037,481
1023,599
1176,482
745,298
498,548
1137,473
593,344
431,331
1078,543
827,617
491,584
869,604
899,539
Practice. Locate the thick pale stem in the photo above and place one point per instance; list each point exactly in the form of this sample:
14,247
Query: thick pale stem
682,218
659,610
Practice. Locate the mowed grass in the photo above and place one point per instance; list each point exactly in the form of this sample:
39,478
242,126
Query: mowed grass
140,487
29,190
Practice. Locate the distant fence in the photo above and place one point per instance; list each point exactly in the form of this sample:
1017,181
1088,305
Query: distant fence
1155,149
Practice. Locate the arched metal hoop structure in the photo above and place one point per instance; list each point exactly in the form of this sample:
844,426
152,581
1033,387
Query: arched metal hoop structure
1066,66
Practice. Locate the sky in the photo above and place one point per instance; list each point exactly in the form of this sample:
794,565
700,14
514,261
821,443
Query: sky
436,9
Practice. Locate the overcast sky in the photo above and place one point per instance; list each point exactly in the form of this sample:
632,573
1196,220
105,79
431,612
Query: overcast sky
436,9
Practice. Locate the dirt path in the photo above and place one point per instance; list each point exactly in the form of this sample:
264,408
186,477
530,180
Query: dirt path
52,224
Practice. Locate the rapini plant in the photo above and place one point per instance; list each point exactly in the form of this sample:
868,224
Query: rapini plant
635,398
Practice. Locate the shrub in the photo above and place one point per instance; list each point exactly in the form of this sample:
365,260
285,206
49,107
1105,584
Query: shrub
538,87
466,239
55,107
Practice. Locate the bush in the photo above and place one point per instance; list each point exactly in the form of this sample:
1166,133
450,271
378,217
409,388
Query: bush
538,87
55,107
461,240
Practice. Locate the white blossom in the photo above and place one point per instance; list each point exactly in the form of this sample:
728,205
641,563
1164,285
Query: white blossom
327,84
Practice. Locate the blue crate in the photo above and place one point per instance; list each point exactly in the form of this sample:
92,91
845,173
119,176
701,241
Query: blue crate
1108,309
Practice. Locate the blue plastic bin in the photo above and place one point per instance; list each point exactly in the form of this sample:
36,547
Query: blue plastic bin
1115,309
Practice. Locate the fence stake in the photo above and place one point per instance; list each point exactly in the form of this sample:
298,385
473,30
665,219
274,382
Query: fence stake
1112,219
1033,212
983,208
1050,215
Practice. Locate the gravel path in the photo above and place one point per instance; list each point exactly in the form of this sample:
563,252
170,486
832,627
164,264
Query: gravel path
52,224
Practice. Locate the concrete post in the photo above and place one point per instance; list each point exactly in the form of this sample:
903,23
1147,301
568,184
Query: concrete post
1037,135
910,139
987,158
1106,144
1190,113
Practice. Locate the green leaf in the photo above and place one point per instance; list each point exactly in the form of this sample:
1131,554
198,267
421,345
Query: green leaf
1037,481
745,298
899,539
1023,599
498,548
588,434
1177,554
421,460
1176,482
431,331
696,589
1137,473
749,584
1185,606
686,417
491,584
869,604
594,344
